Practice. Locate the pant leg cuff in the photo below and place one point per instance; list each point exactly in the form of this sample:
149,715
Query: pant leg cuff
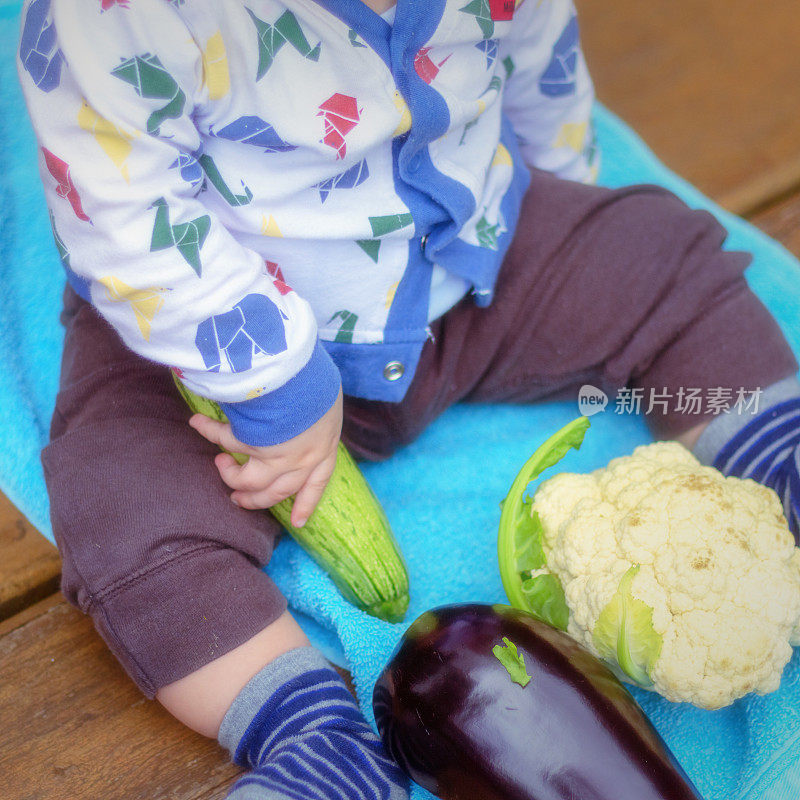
174,619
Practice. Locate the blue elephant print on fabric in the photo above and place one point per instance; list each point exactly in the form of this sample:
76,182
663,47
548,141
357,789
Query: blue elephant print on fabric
37,51
559,77
254,325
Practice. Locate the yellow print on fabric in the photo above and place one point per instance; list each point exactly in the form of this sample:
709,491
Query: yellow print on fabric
116,144
215,68
146,303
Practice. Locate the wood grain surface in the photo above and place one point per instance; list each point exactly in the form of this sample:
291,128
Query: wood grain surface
29,564
713,88
74,726
781,221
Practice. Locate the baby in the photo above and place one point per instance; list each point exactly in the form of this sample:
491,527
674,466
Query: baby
336,218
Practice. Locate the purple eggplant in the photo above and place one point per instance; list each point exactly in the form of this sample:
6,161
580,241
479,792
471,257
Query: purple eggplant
452,711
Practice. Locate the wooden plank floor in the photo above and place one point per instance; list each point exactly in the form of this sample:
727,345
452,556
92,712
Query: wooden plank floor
29,564
74,726
710,87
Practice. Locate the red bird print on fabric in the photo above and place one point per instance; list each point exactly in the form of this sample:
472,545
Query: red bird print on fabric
341,114
66,188
106,4
425,67
280,284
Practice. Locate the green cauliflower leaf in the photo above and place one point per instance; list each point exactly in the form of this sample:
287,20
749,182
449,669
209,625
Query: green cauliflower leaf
520,543
624,633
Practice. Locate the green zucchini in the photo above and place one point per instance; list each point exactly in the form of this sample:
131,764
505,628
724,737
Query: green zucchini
348,534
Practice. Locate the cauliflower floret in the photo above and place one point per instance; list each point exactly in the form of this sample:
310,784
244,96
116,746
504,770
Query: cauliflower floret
709,566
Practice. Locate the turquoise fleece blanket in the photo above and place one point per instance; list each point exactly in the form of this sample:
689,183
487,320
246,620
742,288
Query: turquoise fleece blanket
440,497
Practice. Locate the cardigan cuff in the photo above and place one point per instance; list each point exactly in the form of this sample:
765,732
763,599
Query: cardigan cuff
289,410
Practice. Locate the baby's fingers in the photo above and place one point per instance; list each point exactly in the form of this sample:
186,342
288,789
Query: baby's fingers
219,433
252,477
310,494
229,470
284,486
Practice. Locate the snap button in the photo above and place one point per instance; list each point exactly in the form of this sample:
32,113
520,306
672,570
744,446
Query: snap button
393,371
422,242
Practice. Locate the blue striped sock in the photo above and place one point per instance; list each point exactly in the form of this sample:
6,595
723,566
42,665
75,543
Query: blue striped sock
299,730
765,448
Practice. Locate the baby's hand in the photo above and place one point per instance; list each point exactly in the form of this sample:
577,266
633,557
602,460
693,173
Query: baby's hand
301,466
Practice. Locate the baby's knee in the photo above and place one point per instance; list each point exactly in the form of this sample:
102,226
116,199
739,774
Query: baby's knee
174,613
655,215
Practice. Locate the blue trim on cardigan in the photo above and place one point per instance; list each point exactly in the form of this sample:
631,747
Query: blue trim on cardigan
415,23
362,365
480,265
290,409
371,27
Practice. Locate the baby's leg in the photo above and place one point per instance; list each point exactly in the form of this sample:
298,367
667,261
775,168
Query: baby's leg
624,289
170,570
201,699
141,517
628,290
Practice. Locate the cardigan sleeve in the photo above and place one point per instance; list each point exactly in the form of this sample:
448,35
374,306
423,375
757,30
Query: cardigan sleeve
111,89
548,95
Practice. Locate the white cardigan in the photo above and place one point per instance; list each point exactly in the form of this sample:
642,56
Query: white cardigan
200,157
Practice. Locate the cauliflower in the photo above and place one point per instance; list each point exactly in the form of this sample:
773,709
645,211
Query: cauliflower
685,581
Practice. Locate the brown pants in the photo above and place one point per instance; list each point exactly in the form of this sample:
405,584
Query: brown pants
613,288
